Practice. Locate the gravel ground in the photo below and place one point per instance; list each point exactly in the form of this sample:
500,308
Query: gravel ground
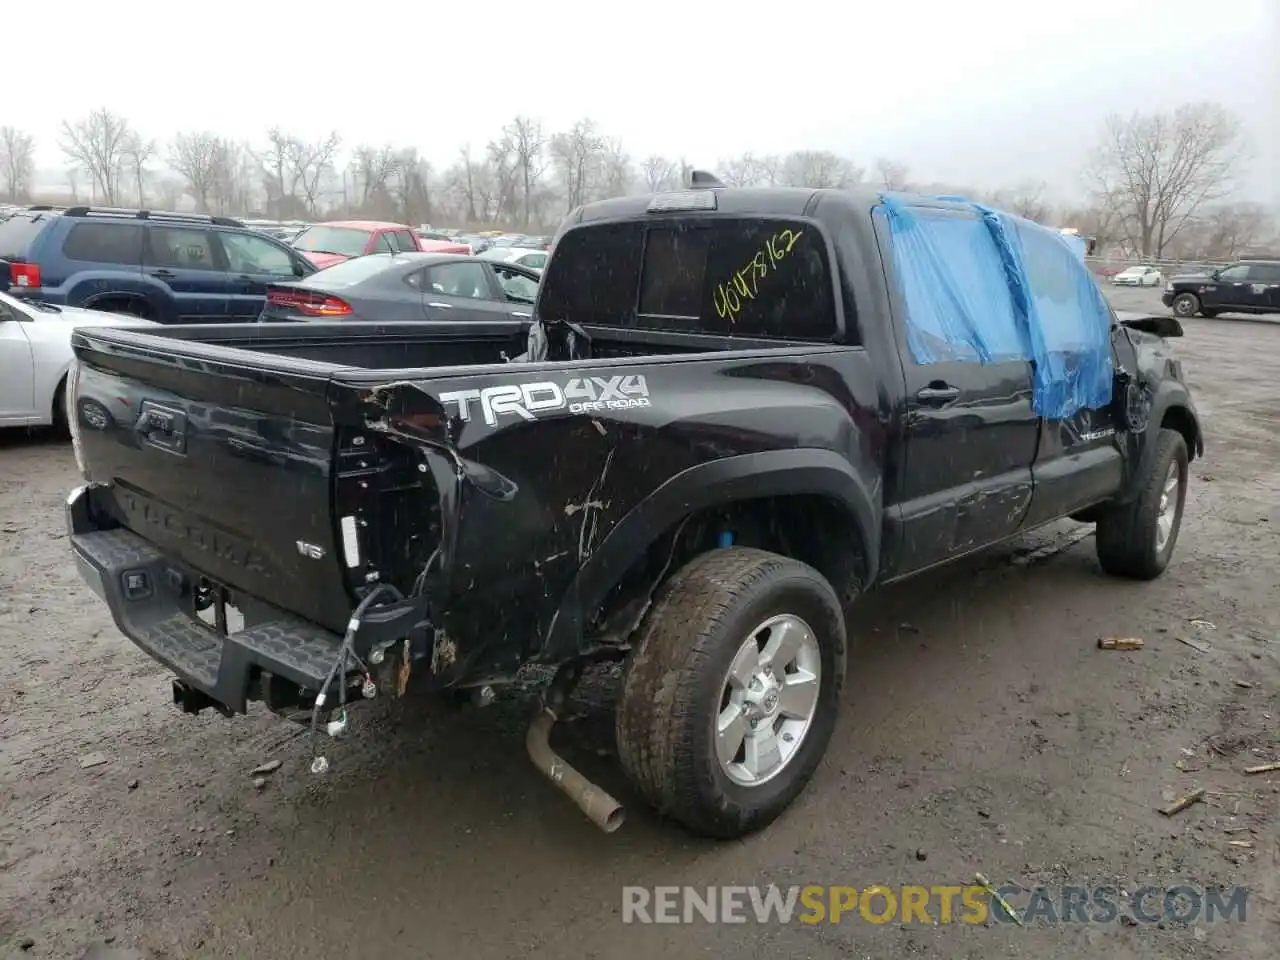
982,731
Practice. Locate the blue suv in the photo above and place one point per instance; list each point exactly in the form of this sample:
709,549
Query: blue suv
167,267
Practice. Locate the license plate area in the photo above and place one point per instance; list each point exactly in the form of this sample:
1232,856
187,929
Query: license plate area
213,605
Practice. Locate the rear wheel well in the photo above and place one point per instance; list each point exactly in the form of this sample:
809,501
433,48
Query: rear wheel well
122,303
1180,419
811,528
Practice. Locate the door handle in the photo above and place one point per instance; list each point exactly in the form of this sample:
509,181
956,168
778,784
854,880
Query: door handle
938,394
521,314
441,306
163,274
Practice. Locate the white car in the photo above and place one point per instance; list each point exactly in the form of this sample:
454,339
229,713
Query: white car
529,257
1138,277
35,354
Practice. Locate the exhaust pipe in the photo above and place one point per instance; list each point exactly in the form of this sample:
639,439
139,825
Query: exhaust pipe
602,809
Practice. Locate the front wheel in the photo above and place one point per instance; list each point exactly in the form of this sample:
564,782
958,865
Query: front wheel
1186,305
1136,539
731,694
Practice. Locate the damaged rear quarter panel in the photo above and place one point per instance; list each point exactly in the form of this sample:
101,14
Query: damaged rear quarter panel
549,472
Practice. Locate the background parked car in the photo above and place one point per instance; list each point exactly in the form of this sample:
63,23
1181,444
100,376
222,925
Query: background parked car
168,267
325,244
1250,286
445,246
407,286
532,258
35,354
1141,276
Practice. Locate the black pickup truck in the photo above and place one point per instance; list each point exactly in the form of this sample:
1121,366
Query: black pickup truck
733,412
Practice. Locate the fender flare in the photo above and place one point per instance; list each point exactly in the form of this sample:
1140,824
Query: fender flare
727,480
1170,395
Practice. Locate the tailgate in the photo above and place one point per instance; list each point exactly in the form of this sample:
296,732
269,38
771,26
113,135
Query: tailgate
221,458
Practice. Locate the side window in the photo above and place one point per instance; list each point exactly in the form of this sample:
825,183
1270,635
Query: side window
952,280
403,241
250,254
535,260
1265,273
104,242
516,285
1066,300
466,280
181,248
1237,274
384,244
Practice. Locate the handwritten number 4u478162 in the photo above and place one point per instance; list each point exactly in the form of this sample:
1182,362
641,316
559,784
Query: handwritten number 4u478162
745,283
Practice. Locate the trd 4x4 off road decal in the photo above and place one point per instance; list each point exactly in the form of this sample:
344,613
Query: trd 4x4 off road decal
528,400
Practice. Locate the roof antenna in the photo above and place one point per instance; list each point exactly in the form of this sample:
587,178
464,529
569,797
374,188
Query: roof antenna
702,180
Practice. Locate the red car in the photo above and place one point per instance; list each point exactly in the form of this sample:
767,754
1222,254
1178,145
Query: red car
325,244
444,246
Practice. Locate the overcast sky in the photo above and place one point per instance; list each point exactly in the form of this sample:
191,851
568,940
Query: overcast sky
982,93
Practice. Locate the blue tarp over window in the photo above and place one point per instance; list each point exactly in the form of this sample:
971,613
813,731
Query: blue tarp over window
982,286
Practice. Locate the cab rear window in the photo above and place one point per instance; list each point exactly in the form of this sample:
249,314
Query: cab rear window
751,278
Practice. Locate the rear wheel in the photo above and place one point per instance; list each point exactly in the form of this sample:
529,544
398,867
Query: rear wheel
1186,305
730,696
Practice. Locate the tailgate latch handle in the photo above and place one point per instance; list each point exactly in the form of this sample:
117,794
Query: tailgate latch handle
154,420
165,428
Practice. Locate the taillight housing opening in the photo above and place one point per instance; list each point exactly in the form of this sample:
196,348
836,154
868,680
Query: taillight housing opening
309,304
24,276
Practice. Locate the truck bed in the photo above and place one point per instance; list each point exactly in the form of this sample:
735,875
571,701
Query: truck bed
293,465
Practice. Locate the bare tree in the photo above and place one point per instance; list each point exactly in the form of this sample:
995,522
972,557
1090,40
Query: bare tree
465,176
1225,232
658,173
1026,200
169,192
528,144
374,169
17,162
310,162
893,174
819,168
1158,170
577,156
232,188
197,157
98,144
616,172
73,183
274,163
137,154
751,170
501,163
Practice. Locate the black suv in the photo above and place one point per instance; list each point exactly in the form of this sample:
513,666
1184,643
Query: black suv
167,267
1250,286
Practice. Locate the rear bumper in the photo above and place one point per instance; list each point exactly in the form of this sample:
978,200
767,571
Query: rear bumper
151,601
